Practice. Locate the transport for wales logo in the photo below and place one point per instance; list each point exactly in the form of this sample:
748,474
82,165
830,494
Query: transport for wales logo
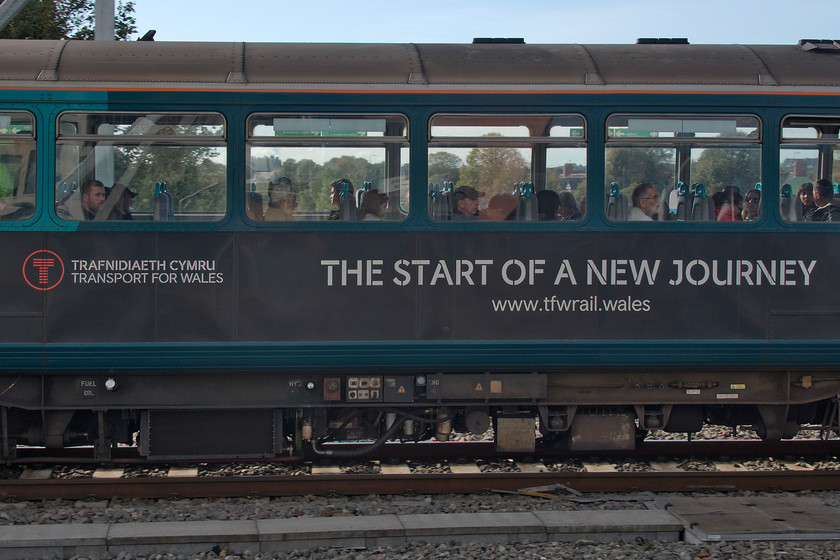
43,270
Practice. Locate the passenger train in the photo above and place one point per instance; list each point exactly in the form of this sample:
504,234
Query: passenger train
250,250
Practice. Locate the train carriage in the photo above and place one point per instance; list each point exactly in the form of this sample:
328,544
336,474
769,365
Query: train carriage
248,250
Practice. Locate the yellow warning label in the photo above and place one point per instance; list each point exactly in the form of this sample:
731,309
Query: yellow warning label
737,386
401,389
479,387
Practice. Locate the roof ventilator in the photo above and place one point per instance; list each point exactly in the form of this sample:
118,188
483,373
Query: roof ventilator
819,45
498,41
662,41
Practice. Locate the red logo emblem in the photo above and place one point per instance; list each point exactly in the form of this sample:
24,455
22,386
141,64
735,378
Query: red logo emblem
43,270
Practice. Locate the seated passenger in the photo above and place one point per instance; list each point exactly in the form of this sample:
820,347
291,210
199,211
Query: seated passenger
827,209
122,206
728,204
645,203
465,199
548,202
500,208
568,208
806,197
282,200
752,206
341,198
93,198
373,206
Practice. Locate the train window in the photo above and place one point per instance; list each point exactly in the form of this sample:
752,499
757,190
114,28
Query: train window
507,167
141,166
809,152
17,165
327,167
677,167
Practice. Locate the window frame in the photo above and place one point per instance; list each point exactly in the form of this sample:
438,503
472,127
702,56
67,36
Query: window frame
32,137
400,143
211,141
683,147
539,145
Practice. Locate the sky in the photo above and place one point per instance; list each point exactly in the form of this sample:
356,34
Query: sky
459,21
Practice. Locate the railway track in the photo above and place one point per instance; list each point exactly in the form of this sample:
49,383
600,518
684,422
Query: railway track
670,466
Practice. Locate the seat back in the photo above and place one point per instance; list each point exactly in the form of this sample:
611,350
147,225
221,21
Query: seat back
440,201
163,203
347,205
702,207
617,205
527,208
255,204
790,207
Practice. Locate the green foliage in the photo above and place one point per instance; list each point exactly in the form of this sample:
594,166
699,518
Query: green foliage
494,170
444,166
197,183
66,19
718,167
312,180
630,166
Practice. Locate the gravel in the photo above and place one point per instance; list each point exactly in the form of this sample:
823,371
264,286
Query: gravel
137,510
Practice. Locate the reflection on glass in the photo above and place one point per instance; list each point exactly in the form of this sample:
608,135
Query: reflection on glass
18,179
687,168
151,167
483,168
336,168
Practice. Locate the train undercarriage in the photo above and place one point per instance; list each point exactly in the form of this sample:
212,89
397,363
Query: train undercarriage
520,413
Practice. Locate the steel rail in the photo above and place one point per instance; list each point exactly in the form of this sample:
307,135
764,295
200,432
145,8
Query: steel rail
401,484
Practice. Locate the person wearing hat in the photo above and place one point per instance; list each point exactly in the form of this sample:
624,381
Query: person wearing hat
122,205
466,203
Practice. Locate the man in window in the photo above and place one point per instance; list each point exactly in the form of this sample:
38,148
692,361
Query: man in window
827,210
282,200
645,203
93,198
466,203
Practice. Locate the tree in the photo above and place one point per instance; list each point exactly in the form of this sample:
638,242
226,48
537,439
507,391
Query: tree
718,167
495,170
630,166
66,19
444,166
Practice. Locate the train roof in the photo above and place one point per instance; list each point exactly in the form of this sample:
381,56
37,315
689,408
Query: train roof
83,63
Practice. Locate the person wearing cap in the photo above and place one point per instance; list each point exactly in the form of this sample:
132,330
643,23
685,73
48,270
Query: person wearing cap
282,200
122,205
466,203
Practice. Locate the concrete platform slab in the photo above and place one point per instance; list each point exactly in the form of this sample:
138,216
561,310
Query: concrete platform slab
274,535
487,527
186,537
59,541
605,526
783,517
282,535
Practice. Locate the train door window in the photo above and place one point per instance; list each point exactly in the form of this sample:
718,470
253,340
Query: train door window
141,166
810,150
327,168
691,168
17,166
507,167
